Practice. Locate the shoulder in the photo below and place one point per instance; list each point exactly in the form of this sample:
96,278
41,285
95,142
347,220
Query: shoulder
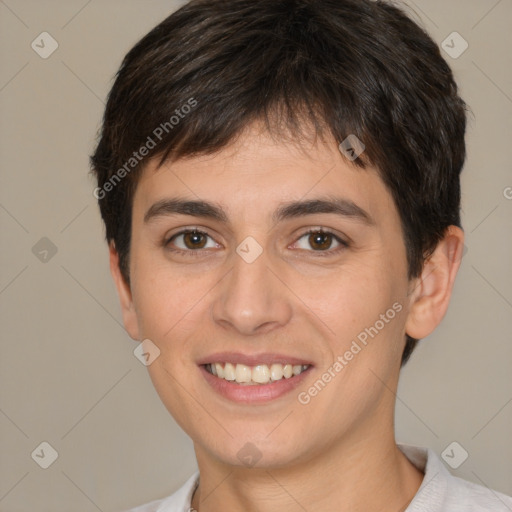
441,491
177,502
466,496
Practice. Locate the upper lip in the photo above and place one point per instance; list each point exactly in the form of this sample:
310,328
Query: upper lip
252,359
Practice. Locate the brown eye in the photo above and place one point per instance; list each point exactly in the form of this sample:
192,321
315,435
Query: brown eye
320,241
189,240
194,240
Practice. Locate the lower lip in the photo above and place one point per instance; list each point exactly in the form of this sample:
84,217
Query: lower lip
259,393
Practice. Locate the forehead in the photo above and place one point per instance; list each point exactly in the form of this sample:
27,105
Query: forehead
258,173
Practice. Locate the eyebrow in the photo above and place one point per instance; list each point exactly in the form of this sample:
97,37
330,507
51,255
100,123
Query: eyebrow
289,210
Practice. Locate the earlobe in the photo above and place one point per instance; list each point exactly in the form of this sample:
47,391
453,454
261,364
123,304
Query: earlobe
432,291
125,295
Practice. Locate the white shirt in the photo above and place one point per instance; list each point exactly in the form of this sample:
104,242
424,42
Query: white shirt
440,491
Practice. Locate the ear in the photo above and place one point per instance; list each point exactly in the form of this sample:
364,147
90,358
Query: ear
125,295
431,292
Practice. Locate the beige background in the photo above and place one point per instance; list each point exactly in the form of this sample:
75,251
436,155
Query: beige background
68,373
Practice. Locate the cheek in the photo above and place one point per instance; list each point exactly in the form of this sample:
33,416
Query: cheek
352,298
366,318
363,309
163,299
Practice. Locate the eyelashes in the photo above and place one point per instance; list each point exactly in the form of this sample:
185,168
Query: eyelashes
323,233
190,252
195,234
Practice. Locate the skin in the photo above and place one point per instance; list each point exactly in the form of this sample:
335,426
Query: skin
338,452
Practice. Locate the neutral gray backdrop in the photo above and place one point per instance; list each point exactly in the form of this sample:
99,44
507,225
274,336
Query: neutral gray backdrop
68,373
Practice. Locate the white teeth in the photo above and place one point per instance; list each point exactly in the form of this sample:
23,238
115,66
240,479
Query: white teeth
297,369
252,375
219,371
276,371
229,371
242,373
261,374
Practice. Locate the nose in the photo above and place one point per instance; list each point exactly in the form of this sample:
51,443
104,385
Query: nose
252,299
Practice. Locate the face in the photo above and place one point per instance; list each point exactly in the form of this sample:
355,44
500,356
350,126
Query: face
281,257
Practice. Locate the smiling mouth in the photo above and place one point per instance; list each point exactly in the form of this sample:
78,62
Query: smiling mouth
255,375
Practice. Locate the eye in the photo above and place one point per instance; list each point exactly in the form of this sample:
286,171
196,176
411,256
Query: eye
191,241
321,241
